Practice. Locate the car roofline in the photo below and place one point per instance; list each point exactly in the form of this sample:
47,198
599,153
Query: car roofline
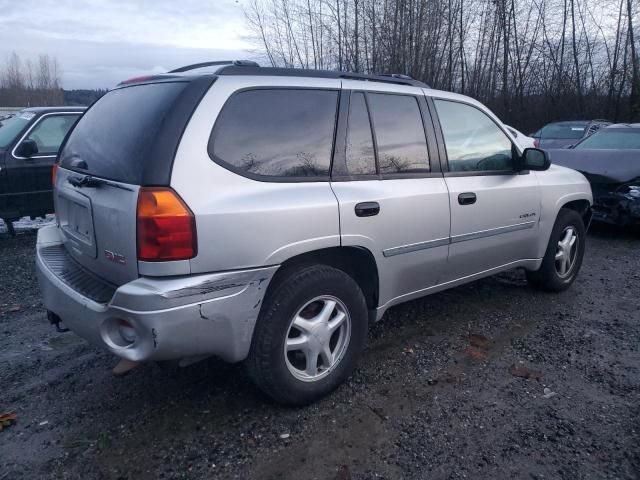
250,68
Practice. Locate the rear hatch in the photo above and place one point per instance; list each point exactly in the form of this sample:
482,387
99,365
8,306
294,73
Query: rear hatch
126,140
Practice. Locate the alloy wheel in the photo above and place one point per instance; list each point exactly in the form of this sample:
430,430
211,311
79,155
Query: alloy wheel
567,252
317,338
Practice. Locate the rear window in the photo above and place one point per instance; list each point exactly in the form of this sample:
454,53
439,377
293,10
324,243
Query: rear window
116,136
284,133
561,131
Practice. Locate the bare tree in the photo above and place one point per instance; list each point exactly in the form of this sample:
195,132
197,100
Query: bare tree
30,83
532,61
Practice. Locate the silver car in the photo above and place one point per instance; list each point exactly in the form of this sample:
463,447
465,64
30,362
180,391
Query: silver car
270,215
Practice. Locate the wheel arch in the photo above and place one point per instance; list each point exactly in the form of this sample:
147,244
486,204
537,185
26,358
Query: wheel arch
357,262
582,207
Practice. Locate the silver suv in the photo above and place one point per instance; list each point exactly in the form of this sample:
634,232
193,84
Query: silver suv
270,215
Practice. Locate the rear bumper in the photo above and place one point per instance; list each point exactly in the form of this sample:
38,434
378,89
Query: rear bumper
173,318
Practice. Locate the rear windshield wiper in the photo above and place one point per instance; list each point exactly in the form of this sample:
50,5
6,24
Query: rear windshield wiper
93,182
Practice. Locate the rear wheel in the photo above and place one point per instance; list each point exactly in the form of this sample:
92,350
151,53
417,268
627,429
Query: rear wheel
563,257
311,331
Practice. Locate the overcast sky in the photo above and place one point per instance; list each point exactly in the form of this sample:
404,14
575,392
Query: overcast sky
101,42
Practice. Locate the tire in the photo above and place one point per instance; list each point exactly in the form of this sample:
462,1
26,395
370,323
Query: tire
553,276
304,294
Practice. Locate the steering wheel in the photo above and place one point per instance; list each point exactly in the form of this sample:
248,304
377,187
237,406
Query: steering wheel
494,162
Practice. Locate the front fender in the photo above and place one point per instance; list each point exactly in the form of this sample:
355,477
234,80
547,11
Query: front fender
559,186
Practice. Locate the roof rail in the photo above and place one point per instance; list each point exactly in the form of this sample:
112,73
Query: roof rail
396,75
233,69
237,63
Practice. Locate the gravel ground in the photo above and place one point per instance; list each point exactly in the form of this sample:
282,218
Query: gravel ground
435,395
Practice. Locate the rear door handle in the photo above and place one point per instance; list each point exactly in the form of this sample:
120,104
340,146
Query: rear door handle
467,198
367,209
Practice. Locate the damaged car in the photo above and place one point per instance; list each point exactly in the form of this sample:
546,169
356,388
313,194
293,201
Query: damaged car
610,160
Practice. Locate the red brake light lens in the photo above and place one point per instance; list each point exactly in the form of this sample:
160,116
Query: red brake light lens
166,226
54,174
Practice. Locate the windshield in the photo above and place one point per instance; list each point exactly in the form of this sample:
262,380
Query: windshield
563,130
612,138
13,127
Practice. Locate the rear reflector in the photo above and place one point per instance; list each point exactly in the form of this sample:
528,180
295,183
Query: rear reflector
166,226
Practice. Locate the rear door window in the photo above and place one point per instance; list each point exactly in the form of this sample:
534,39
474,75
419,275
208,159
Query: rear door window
400,136
360,156
277,133
115,138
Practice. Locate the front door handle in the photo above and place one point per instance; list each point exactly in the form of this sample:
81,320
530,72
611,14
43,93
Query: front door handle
467,198
367,209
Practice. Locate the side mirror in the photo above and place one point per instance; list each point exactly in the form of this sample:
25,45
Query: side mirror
28,148
534,159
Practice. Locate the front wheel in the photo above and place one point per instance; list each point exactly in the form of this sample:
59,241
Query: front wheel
311,331
563,257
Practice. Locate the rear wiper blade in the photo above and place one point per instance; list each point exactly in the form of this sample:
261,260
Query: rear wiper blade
87,181
93,182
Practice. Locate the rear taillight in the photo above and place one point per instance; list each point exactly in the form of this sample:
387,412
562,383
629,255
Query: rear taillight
166,226
536,143
54,174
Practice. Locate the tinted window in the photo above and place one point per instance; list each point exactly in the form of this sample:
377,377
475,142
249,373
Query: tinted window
13,127
612,138
277,133
116,135
360,155
473,141
50,132
402,145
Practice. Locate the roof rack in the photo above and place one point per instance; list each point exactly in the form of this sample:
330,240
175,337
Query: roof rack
235,69
249,67
238,63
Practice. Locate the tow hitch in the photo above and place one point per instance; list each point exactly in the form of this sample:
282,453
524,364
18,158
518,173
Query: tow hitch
56,320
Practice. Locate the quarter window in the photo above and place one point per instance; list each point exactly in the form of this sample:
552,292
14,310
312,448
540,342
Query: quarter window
50,132
276,132
474,142
400,137
361,159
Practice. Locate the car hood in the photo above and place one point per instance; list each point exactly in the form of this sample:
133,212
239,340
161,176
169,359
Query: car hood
600,166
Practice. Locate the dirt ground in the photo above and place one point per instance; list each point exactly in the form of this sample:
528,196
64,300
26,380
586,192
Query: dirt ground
435,396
